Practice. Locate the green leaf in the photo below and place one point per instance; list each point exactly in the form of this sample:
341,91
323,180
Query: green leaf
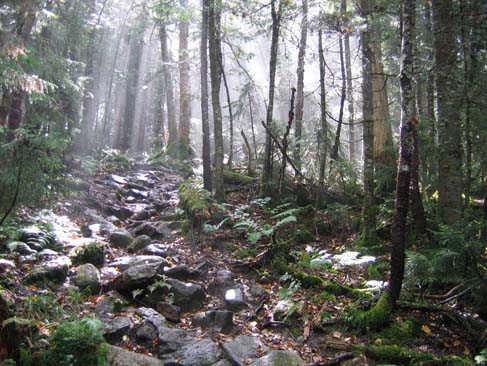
285,221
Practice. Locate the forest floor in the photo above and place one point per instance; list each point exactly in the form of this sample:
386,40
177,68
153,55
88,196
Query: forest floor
188,296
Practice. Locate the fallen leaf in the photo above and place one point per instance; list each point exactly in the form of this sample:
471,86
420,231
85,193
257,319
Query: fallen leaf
426,330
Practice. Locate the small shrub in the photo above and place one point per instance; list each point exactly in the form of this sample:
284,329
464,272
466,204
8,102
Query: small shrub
78,343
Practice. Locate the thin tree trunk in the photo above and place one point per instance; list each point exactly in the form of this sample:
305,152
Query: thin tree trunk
205,123
252,123
398,229
336,145
214,27
266,188
282,172
417,208
298,127
184,150
324,126
250,155
230,115
350,101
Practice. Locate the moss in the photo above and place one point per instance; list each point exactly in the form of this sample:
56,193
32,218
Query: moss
393,354
246,253
92,253
195,201
376,317
303,236
400,332
235,178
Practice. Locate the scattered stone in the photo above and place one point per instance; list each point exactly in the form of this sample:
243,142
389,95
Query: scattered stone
234,299
111,303
146,228
77,184
54,271
169,311
282,310
121,212
201,269
137,276
187,295
162,250
117,356
6,264
144,214
197,353
179,271
115,328
46,253
221,320
120,239
118,179
173,339
88,276
243,348
126,262
93,253
139,243
19,247
147,333
280,358
257,291
222,282
153,317
168,229
355,362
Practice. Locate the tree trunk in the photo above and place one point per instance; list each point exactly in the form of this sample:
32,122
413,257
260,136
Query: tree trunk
214,27
252,123
350,101
135,56
450,177
398,229
250,156
369,212
184,150
266,188
230,116
417,208
205,123
298,127
323,136
172,140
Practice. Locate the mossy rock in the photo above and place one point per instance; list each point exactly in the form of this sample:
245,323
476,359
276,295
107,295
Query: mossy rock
231,177
195,201
93,253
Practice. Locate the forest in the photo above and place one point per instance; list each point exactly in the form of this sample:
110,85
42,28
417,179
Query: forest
257,182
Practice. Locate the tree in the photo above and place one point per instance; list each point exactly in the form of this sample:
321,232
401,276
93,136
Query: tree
214,28
450,177
184,84
205,124
300,85
276,12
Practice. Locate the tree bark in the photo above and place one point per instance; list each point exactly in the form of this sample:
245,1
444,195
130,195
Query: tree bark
450,177
205,123
172,140
350,101
266,188
323,136
298,126
230,116
184,150
398,229
214,27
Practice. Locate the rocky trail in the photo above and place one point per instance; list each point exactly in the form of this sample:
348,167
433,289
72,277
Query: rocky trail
161,298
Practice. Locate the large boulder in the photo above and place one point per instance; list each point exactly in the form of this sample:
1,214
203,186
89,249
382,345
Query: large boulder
202,352
280,358
117,356
220,320
137,276
121,239
88,277
189,296
53,272
244,348
139,243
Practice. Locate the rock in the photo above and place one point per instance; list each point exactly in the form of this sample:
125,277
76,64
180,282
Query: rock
88,276
144,214
115,328
139,243
222,282
355,362
121,212
126,262
283,309
173,339
6,264
146,228
117,356
147,333
110,304
77,184
188,296
234,299
120,239
46,253
257,291
201,269
137,276
107,228
197,353
54,271
280,358
19,247
223,363
243,348
168,229
179,271
118,179
93,253
153,317
221,320
162,250
169,311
